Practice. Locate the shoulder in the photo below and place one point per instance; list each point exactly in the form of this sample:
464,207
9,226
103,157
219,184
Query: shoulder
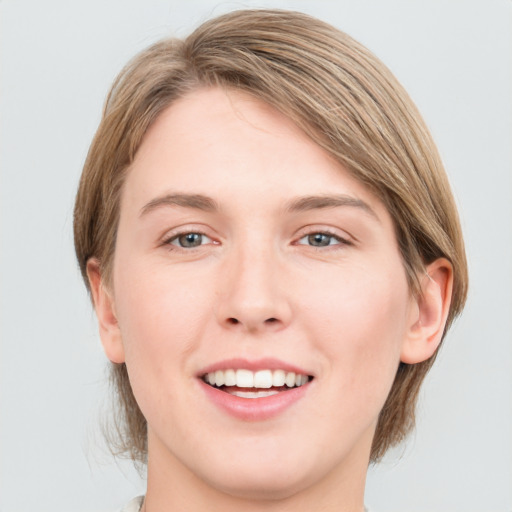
134,505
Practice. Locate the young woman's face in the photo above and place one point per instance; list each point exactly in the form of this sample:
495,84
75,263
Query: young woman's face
246,256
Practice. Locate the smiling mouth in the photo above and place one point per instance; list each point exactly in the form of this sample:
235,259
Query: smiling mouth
259,384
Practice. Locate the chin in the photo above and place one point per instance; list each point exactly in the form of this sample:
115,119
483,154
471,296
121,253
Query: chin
267,473
261,484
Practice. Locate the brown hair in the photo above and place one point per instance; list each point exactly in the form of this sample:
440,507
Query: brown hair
342,96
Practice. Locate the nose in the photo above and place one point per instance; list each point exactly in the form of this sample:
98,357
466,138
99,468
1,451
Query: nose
252,292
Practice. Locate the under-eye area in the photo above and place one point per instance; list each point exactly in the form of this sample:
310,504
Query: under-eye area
262,383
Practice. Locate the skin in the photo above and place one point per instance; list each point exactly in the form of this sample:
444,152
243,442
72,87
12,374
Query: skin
257,286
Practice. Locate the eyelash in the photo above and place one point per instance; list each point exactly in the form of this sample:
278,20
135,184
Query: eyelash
330,246
176,236
340,241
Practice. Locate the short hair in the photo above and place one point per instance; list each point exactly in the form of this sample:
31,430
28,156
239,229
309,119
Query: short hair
342,97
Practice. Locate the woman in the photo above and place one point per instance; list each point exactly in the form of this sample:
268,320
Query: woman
274,257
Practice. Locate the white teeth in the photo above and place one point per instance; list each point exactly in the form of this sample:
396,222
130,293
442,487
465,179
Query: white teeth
290,379
244,379
278,378
253,394
230,378
219,378
262,379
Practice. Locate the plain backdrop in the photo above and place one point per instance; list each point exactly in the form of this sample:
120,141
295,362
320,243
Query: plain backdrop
58,59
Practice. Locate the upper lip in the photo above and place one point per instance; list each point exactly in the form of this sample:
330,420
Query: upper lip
253,365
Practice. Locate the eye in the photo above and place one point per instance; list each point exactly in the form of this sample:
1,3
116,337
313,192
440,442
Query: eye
189,240
321,240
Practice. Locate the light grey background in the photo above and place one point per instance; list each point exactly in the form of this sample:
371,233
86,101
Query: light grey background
57,61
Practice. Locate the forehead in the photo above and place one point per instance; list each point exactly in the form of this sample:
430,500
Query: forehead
236,148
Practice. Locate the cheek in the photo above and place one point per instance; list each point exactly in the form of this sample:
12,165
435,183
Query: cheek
161,327
359,301
358,320
162,319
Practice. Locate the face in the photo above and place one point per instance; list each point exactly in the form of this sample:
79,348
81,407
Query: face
259,297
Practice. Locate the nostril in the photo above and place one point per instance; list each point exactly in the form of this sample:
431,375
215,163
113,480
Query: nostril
251,324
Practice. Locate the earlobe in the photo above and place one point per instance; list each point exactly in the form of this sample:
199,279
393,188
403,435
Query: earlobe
427,325
104,306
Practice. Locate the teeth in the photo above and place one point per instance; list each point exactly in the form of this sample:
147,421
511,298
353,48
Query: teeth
253,394
290,379
262,379
279,378
244,379
230,378
219,378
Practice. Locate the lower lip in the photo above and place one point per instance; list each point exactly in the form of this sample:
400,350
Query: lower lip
254,409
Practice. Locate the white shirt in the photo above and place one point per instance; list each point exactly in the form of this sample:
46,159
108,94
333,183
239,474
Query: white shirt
134,505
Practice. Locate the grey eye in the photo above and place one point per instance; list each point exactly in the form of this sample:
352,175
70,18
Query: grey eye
190,240
319,240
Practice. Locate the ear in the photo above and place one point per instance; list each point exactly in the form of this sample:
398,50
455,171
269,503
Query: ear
104,305
429,315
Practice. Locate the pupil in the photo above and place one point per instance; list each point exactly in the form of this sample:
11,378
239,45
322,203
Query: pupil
319,239
190,240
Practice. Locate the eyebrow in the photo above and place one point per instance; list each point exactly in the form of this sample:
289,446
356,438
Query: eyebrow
196,201
329,201
301,204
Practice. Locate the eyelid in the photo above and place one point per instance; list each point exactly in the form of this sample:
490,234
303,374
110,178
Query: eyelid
343,237
174,233
337,245
179,235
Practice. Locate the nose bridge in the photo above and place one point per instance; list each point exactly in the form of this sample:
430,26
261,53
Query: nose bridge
253,297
